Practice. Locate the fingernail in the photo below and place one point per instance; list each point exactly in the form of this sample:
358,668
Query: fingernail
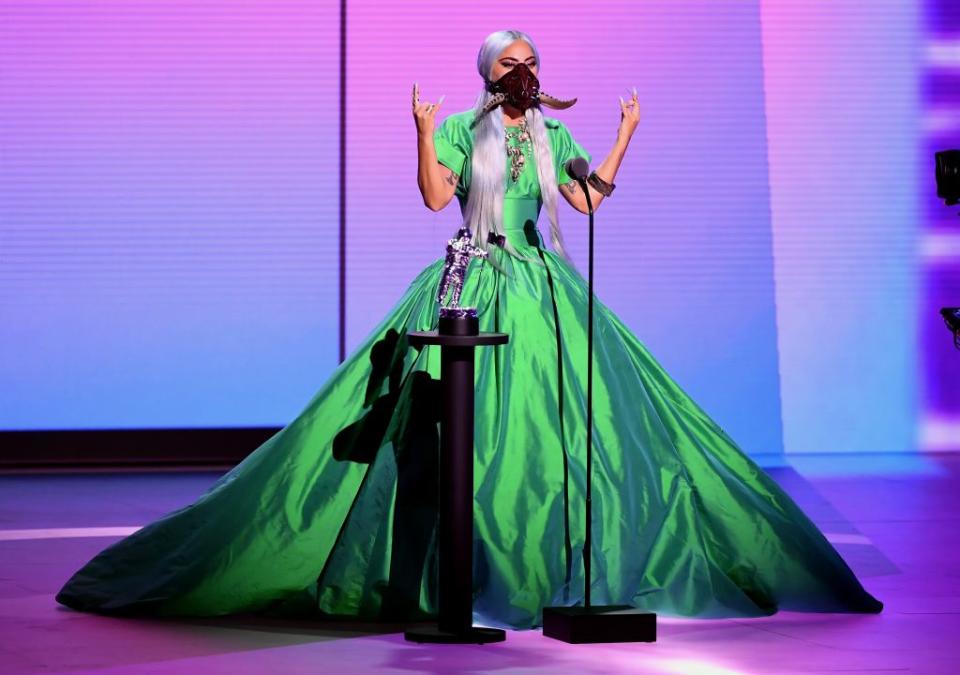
621,100
441,99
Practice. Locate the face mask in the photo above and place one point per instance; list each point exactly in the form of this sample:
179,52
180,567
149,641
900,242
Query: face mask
520,88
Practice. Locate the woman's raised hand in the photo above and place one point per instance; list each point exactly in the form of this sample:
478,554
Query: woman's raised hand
423,113
629,116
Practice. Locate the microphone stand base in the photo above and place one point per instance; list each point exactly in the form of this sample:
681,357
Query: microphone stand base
599,623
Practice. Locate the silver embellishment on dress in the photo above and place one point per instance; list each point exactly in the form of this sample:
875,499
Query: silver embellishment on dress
517,153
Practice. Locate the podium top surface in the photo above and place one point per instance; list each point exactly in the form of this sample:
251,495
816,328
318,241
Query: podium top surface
432,337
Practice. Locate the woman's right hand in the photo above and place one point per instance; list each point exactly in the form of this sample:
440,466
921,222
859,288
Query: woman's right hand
423,113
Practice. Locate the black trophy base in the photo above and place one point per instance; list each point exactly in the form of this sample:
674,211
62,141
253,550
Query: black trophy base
472,635
453,322
599,623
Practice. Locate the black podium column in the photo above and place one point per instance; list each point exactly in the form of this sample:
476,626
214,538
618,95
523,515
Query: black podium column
456,471
455,602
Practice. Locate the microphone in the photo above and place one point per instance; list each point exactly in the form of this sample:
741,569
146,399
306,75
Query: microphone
577,168
594,623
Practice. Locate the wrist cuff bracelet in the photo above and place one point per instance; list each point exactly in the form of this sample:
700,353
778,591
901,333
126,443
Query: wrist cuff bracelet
600,185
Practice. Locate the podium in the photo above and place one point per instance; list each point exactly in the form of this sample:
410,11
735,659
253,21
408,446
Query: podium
455,620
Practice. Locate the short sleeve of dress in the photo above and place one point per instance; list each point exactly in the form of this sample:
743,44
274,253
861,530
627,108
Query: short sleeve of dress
565,149
451,146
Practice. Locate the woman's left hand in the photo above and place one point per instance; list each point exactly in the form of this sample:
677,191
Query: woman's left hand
629,116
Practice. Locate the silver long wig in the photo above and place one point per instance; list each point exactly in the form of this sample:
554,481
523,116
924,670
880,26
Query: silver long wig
483,212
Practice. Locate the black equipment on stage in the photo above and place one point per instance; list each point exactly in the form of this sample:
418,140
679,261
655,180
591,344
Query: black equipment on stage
948,176
948,189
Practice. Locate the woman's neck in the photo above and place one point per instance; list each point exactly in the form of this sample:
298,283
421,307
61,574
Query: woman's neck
511,115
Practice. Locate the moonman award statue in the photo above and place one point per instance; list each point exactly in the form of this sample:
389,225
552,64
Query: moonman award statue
454,319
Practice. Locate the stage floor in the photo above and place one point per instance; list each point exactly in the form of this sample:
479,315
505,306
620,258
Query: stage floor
894,518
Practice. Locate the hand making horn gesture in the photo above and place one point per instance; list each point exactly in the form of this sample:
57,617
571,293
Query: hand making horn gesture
423,113
629,115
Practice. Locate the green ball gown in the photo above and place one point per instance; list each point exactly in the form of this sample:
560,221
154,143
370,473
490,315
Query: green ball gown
336,513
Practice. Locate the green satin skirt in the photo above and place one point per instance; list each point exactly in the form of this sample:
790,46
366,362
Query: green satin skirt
337,512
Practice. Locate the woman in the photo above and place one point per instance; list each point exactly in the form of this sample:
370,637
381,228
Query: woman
336,513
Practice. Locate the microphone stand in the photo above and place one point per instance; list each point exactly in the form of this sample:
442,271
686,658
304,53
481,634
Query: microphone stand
594,623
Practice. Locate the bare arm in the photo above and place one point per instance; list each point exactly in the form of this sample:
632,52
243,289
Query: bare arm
437,182
573,193
607,171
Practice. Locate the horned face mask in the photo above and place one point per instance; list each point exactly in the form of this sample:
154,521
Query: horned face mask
520,88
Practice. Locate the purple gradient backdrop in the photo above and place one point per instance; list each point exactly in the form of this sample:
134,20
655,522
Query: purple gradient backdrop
167,212
683,251
843,115
169,203
940,427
